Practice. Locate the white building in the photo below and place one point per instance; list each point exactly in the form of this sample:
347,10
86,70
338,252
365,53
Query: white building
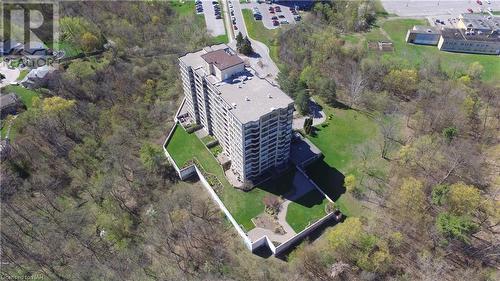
251,118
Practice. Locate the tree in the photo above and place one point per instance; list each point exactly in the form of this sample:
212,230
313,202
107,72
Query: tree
245,46
456,227
463,199
475,70
89,42
272,204
403,82
439,193
350,183
308,129
302,102
239,40
326,88
410,201
450,133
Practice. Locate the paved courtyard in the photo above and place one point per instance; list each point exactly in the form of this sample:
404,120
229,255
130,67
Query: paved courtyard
10,74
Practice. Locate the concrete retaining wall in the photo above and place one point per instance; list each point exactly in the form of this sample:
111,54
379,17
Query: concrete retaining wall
188,171
301,235
314,184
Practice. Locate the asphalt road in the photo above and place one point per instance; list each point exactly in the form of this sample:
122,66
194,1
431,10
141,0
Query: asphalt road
214,26
425,8
260,61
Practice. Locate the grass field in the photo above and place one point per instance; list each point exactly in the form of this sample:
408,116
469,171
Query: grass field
257,31
338,141
22,74
24,94
243,205
414,55
69,49
307,209
26,97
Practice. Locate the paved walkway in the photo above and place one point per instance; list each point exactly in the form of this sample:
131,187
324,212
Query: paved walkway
10,74
301,186
317,114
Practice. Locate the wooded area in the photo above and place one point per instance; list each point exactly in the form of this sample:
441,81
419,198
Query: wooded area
88,195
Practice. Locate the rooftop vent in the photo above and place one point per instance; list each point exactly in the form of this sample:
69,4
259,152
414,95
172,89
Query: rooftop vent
269,96
272,108
234,105
247,98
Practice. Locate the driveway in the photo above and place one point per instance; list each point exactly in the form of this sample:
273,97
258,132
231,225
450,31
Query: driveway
267,15
260,61
316,112
214,26
424,8
10,74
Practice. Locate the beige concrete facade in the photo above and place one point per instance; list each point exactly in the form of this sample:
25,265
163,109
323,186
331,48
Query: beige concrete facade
251,118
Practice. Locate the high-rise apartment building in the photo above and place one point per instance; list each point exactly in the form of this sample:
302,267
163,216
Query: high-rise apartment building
251,118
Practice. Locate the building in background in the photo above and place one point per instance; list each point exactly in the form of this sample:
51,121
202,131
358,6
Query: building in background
250,117
423,35
473,33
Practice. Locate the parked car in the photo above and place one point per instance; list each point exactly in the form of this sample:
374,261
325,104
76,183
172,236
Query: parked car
277,9
215,2
479,2
274,18
281,16
235,27
489,9
297,18
271,9
284,22
488,1
470,10
276,23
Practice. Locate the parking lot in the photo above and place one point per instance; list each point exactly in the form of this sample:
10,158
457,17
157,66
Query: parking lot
214,26
285,15
438,8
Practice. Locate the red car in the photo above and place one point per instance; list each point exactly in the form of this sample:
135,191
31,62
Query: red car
479,2
470,10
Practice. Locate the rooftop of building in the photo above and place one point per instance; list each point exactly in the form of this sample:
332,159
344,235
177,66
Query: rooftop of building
249,96
480,21
222,58
460,34
426,29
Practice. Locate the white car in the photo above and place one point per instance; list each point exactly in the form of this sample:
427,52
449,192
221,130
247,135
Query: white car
489,2
490,9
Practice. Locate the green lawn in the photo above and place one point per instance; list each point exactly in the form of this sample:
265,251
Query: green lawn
243,205
22,74
26,97
69,49
257,31
306,210
24,94
338,141
413,55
